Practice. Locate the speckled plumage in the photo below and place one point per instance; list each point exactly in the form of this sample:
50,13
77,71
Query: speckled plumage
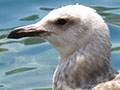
83,43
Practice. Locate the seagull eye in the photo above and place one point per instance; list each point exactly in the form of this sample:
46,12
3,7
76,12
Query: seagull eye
61,21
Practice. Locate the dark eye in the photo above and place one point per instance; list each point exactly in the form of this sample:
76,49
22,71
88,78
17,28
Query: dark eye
61,21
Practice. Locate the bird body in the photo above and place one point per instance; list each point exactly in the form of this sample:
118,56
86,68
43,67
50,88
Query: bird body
82,39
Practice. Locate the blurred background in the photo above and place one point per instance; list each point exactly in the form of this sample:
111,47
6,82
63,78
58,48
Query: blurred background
29,63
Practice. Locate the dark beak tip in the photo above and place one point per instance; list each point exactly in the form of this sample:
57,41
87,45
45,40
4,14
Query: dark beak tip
10,35
24,32
13,35
21,32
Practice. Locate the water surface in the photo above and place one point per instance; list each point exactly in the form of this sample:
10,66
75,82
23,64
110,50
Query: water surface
29,63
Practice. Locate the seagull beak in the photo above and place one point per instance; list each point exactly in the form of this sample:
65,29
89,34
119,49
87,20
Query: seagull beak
26,31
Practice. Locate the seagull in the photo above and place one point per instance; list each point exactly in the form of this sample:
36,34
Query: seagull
82,40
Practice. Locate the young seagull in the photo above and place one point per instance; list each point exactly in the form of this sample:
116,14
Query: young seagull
82,39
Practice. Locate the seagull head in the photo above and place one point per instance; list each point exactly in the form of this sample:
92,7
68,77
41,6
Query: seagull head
68,29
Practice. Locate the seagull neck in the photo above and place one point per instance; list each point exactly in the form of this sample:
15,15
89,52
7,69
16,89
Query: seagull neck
88,60
83,68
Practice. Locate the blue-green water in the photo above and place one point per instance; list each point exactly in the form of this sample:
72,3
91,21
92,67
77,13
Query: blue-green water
29,63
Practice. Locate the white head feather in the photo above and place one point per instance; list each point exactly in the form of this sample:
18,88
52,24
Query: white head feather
84,26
